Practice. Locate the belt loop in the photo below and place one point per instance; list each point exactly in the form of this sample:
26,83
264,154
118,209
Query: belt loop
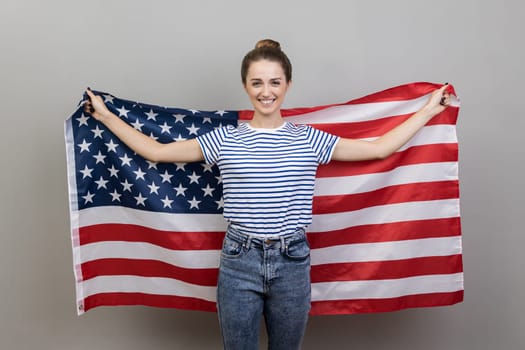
284,246
247,242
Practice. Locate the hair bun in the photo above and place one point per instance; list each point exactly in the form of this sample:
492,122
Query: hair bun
268,43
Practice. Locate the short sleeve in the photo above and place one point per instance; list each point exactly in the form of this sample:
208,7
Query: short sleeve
211,144
322,143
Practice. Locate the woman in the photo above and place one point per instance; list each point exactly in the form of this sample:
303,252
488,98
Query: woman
268,169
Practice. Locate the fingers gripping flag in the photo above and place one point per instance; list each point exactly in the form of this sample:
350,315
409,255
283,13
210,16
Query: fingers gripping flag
385,236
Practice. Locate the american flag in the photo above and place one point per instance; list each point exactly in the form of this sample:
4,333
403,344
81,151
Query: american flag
385,236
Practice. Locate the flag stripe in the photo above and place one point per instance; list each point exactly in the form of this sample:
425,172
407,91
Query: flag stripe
206,259
386,232
431,172
413,155
372,289
371,270
367,305
155,300
389,195
387,288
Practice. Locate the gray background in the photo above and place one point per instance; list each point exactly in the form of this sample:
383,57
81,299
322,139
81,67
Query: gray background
187,54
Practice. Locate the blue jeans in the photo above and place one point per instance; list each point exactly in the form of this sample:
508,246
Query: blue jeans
264,276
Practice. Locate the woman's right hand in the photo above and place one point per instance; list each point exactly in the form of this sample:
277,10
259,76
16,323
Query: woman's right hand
96,107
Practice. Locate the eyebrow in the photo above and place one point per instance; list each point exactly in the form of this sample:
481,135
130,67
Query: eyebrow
271,79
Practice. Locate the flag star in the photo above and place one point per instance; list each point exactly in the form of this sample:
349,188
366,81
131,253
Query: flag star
127,186
113,171
179,138
84,146
180,190
194,111
221,113
101,183
208,191
83,120
207,167
179,118
165,128
115,196
194,178
126,160
181,166
137,125
194,203
166,177
206,120
139,174
123,112
193,129
219,179
151,115
112,146
100,158
88,198
86,172
153,188
167,202
220,203
97,131
140,200
153,136
108,98
152,164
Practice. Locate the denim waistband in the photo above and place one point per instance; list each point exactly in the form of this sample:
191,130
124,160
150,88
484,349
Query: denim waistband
261,240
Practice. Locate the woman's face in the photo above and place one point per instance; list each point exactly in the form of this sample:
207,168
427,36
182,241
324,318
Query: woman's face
266,86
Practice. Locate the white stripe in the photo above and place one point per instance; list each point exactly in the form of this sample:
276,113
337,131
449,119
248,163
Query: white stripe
391,288
159,221
446,208
148,285
432,134
363,112
407,174
370,289
209,259
192,259
383,251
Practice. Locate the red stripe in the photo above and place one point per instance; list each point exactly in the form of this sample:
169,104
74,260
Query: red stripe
414,155
170,301
378,270
402,92
378,127
166,239
423,191
387,232
338,307
147,268
335,307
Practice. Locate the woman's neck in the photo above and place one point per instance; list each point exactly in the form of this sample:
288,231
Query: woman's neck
266,122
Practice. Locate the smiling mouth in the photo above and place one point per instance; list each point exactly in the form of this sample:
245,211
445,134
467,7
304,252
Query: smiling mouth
267,101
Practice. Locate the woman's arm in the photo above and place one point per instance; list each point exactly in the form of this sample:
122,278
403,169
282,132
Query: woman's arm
384,146
180,151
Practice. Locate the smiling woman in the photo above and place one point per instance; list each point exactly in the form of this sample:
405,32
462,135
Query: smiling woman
266,74
268,169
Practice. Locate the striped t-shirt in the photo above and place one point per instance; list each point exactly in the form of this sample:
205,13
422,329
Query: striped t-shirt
268,175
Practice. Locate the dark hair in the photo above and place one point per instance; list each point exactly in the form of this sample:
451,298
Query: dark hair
266,49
